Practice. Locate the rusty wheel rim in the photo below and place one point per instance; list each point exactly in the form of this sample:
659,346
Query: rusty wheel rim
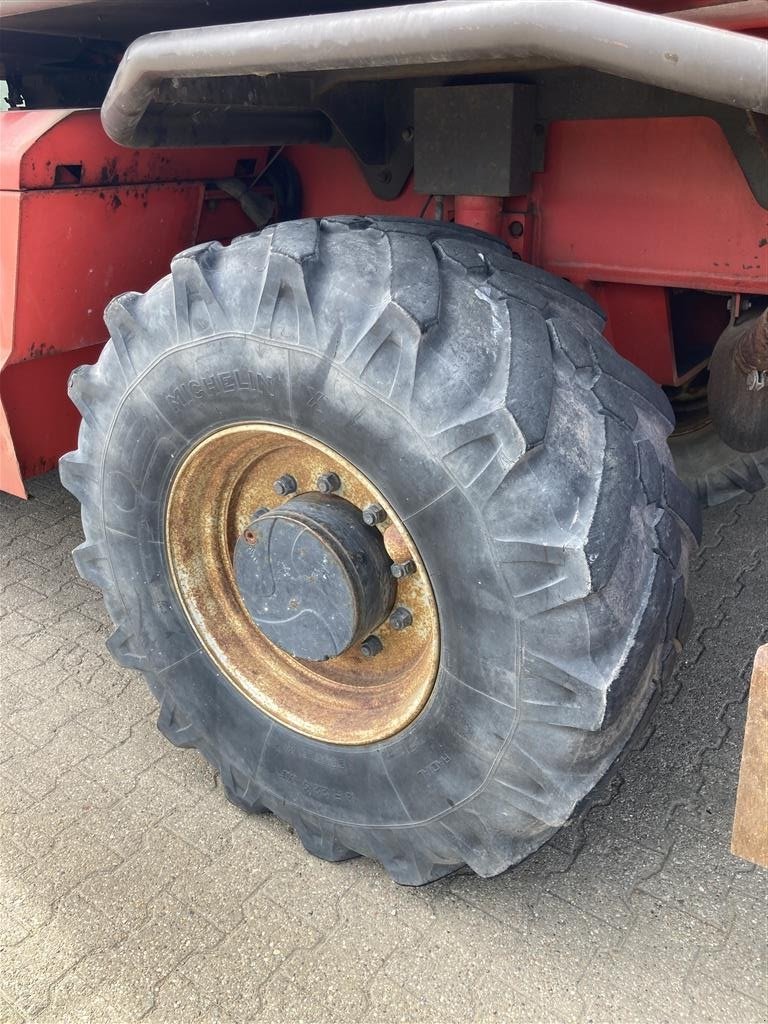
350,699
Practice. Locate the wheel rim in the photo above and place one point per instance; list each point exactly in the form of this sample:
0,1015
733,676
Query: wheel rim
690,407
222,499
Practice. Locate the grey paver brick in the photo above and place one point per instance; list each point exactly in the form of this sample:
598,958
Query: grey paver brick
14,745
603,875
117,768
115,719
126,974
38,768
339,969
128,893
36,823
30,968
320,902
281,1000
177,1001
233,974
749,889
13,862
46,650
708,994
219,888
742,959
33,895
697,876
18,597
209,824
16,626
16,923
637,988
74,1001
187,767
14,799
14,660
123,826
40,721
8,1014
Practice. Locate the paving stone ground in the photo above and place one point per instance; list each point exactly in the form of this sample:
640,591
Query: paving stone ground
132,891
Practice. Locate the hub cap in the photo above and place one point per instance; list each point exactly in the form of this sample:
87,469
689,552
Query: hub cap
290,593
313,576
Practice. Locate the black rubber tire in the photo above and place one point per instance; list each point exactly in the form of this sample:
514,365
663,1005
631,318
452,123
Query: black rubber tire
530,464
713,471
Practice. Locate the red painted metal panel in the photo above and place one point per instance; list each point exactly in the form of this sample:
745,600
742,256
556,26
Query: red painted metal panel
36,142
21,129
45,422
221,218
10,206
76,249
10,202
333,183
79,247
480,212
639,326
82,221
660,201
737,15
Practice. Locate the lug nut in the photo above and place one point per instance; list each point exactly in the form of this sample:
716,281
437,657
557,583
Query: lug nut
400,618
373,514
259,512
285,484
328,483
371,646
250,537
402,569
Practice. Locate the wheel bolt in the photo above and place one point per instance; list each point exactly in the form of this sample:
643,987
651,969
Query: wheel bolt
402,569
400,618
328,483
373,514
285,484
249,537
371,646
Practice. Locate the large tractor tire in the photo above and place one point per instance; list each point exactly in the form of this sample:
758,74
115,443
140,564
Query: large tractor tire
713,471
391,530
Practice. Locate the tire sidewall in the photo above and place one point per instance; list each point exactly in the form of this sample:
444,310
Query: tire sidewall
443,757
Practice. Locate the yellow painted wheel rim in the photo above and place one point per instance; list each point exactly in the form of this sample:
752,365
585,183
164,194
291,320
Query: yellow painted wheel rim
349,699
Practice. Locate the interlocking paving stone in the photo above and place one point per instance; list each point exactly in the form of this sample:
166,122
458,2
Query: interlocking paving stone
233,974
178,1001
131,890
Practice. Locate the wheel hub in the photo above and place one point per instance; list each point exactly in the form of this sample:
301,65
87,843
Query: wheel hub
313,577
301,583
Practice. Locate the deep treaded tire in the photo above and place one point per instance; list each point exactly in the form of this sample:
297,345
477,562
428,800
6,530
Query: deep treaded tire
528,460
713,471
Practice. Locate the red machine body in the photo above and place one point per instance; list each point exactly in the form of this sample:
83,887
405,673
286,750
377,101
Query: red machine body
636,211
82,221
